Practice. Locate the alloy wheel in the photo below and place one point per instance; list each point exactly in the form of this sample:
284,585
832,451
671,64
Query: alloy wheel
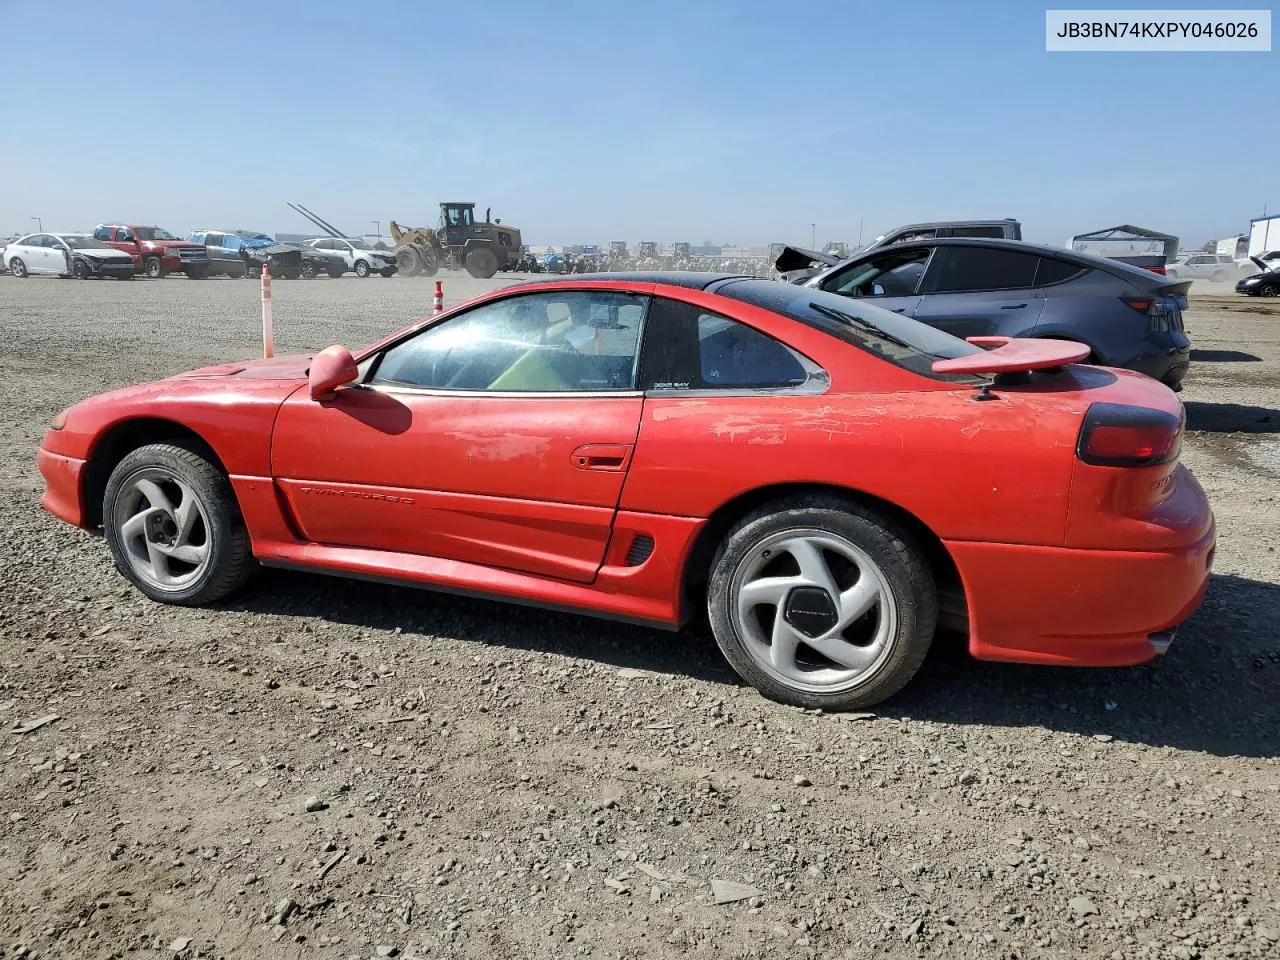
814,610
163,529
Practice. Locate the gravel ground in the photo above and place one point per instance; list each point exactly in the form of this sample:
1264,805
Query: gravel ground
321,768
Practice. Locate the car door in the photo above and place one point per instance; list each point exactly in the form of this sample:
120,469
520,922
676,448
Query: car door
980,290
500,436
48,254
28,251
889,279
336,248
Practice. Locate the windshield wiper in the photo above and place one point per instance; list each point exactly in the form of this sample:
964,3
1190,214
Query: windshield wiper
851,320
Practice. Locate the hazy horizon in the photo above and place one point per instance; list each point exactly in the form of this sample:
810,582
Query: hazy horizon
593,123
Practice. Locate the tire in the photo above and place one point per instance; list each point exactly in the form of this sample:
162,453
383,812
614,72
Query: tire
482,263
1218,276
1268,290
18,268
153,267
388,273
188,545
309,270
80,270
124,276
197,273
409,261
362,269
843,544
336,272
291,273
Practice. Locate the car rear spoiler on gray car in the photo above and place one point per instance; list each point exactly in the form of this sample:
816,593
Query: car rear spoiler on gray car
798,258
1178,288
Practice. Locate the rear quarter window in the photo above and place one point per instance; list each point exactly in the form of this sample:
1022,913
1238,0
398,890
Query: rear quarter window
1052,270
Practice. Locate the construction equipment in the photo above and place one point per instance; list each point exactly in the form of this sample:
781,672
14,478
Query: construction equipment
482,248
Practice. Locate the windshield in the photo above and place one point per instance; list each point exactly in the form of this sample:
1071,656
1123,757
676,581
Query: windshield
899,340
360,244
153,233
84,243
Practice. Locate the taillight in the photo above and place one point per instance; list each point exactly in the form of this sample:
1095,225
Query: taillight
1158,268
1117,435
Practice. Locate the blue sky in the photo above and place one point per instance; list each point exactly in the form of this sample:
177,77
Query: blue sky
591,121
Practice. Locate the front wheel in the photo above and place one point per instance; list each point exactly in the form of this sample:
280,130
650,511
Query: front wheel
80,270
387,272
362,269
153,267
1268,290
309,270
822,603
173,526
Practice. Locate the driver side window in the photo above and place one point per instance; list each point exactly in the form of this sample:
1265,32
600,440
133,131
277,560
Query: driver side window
895,274
543,342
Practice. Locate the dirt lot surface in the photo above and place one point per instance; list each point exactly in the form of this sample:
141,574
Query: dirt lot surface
322,768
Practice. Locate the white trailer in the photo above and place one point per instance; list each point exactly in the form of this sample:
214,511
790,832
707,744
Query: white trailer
1264,235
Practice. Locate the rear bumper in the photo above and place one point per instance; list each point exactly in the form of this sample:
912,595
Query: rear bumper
61,486
1167,362
1085,608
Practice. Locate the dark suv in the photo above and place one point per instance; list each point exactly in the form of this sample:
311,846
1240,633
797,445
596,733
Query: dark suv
969,287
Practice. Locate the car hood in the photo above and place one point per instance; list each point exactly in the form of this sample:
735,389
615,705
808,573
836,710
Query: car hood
798,258
97,254
1262,264
292,367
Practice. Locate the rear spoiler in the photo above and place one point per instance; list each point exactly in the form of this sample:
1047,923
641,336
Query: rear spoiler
1175,288
1014,355
798,258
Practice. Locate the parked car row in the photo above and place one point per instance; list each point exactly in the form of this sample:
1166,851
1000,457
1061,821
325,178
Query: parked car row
125,250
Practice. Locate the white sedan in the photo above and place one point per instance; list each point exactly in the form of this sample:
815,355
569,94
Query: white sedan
66,255
360,255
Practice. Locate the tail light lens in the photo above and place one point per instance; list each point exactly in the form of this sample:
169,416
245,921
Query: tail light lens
1117,435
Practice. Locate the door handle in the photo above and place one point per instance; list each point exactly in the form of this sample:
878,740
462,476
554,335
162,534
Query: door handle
899,309
1013,306
602,457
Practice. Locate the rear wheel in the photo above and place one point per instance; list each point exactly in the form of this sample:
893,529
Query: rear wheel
822,603
1218,276
482,263
18,268
173,526
153,267
362,269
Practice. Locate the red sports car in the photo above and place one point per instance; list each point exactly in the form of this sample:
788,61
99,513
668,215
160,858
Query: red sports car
829,481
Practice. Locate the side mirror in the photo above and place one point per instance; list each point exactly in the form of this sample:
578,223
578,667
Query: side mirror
330,369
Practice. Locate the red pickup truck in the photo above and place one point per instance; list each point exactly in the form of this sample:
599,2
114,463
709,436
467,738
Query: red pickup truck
155,251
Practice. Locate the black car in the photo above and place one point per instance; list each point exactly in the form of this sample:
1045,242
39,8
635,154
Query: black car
970,287
1264,284
240,253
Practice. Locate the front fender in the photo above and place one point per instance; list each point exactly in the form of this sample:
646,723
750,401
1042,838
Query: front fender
233,417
